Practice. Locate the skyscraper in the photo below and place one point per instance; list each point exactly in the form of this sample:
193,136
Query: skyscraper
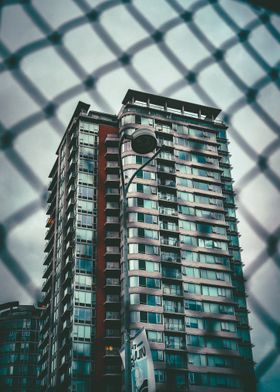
186,286
19,337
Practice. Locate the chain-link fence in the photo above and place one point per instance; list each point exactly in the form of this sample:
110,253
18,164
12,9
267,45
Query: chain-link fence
221,53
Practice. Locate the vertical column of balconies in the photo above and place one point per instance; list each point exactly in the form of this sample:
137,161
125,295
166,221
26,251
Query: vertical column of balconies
171,268
243,329
81,228
48,275
66,273
112,321
205,259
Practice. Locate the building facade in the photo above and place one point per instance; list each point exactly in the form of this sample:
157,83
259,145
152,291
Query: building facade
19,338
185,272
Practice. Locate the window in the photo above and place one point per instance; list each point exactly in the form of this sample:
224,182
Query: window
84,265
176,342
193,322
144,265
146,175
193,305
84,220
187,225
85,206
195,340
151,317
140,217
188,240
183,155
84,250
86,139
85,192
83,298
81,349
143,248
86,165
81,368
176,360
207,243
82,332
155,336
84,235
160,376
82,315
86,179
141,232
157,355
192,288
185,196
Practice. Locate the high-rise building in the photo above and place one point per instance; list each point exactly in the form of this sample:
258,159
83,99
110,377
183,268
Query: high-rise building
186,285
19,337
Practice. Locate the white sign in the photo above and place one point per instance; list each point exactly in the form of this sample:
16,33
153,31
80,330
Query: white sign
142,366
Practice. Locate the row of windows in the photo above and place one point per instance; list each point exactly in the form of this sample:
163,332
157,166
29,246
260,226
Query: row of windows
211,342
212,360
214,380
202,227
87,165
166,127
179,324
206,274
211,291
205,186
208,307
85,206
84,298
84,235
198,158
173,241
87,139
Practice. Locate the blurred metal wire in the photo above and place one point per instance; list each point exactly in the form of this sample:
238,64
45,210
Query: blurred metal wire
47,110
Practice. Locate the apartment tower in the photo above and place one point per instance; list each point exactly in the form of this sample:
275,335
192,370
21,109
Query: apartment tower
19,338
186,285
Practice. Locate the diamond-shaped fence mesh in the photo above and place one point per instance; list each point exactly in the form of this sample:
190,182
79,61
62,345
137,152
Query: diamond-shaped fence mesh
221,53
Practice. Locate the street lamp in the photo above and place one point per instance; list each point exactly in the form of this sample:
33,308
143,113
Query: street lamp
143,141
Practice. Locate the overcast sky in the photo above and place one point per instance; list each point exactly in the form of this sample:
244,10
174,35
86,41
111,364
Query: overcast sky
156,65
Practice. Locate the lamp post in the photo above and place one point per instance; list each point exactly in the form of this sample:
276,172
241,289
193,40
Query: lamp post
143,141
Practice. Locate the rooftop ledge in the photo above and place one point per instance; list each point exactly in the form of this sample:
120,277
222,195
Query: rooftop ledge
170,105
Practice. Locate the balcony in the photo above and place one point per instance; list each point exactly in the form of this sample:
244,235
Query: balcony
176,308
47,284
112,205
115,282
112,333
52,183
166,169
172,291
174,327
112,220
167,211
166,183
47,270
112,299
112,316
112,369
112,351
167,197
112,266
171,274
169,241
49,246
112,151
112,178
112,250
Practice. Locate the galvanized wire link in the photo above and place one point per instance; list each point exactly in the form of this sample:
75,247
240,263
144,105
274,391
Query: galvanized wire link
154,37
